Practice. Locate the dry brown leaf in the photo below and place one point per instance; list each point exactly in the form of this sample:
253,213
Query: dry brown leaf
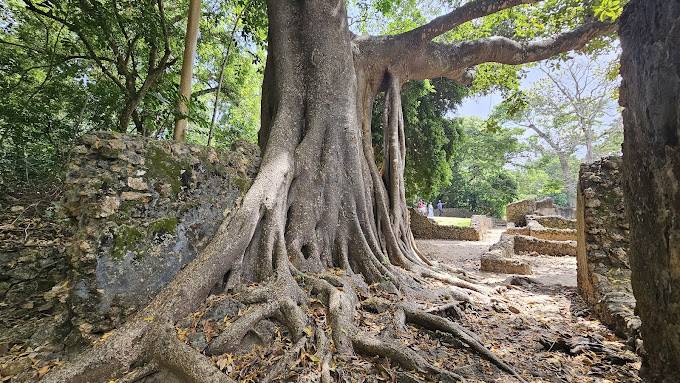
44,370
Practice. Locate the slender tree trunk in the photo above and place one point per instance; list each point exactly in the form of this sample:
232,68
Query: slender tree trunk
221,77
588,140
568,178
180,132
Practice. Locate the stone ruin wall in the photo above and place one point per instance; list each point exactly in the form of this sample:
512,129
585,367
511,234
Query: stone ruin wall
548,233
454,212
603,269
425,228
140,210
534,227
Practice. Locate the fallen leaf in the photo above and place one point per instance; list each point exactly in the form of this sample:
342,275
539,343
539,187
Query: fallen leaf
44,370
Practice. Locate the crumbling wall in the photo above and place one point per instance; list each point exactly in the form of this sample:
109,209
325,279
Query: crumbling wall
520,212
425,228
516,212
546,206
32,289
141,209
454,212
482,223
527,244
499,258
603,270
545,233
553,221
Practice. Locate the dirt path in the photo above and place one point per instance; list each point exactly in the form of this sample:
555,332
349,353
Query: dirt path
466,254
542,328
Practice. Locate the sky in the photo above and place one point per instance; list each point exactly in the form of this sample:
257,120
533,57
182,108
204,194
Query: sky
482,106
479,106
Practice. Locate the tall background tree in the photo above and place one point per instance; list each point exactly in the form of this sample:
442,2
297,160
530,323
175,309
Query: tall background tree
319,204
483,181
431,137
570,115
187,74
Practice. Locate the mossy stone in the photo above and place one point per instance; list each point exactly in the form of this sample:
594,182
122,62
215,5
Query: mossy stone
243,184
163,166
125,240
120,217
166,225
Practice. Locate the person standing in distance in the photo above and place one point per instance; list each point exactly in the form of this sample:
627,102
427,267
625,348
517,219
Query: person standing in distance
440,207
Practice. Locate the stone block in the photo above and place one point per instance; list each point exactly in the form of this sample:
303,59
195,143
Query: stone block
497,264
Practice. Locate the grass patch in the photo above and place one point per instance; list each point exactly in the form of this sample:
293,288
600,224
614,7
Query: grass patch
452,221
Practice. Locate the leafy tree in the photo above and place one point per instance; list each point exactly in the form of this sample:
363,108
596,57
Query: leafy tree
542,177
47,100
229,70
130,42
572,108
482,180
55,89
321,219
431,137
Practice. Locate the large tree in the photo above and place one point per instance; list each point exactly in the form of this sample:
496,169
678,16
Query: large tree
321,219
650,68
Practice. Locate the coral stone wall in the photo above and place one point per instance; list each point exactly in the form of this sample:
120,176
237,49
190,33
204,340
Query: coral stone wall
516,212
603,269
424,228
554,221
454,212
527,244
141,209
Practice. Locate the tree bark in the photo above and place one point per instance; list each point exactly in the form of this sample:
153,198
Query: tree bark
650,68
180,132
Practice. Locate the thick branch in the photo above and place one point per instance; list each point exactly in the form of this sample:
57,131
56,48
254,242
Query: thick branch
470,11
453,60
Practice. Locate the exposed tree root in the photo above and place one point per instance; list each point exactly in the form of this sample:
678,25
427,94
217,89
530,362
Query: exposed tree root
433,322
284,363
140,373
184,361
330,333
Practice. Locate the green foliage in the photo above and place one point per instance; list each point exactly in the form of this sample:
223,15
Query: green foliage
238,112
482,181
431,138
609,9
541,178
71,66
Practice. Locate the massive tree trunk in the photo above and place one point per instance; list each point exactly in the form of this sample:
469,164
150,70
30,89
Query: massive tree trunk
320,219
650,68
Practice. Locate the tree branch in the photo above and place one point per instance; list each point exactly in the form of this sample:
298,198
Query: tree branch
455,60
90,50
469,11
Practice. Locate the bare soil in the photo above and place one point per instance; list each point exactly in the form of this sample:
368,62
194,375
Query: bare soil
542,328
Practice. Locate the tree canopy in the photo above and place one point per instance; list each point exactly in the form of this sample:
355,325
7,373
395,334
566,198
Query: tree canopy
73,66
482,180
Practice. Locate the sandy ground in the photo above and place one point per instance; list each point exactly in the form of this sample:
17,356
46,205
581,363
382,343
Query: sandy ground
559,271
525,318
